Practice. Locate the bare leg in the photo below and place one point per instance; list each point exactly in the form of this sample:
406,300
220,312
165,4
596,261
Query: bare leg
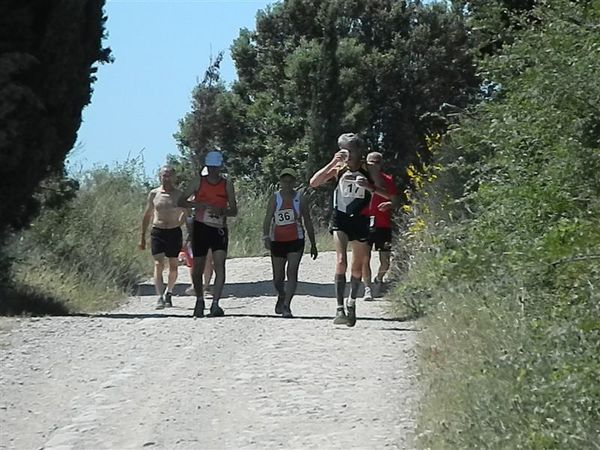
208,269
340,240
197,269
293,264
366,272
360,255
384,264
278,265
172,279
159,266
219,257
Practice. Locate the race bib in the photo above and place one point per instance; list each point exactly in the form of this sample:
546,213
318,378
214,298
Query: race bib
210,218
284,217
351,189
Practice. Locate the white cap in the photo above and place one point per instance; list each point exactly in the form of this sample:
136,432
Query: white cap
213,158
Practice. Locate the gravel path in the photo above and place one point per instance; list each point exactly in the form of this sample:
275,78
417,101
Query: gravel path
139,378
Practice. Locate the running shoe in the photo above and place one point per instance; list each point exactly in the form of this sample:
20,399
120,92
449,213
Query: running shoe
351,314
216,310
287,312
160,303
199,308
168,300
190,291
368,295
340,317
279,305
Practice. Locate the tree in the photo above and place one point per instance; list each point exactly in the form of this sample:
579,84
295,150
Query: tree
48,49
314,69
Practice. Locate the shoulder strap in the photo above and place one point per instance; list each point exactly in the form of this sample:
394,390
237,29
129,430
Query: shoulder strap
296,202
278,201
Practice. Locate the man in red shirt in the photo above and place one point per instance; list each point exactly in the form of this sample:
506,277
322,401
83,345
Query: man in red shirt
380,236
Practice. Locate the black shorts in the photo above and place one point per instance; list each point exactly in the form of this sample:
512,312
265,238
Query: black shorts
166,240
280,249
381,239
205,237
356,227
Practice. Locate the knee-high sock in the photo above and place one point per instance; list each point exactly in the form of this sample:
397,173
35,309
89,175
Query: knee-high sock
340,288
354,287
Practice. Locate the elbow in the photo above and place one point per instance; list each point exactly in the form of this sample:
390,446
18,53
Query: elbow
313,183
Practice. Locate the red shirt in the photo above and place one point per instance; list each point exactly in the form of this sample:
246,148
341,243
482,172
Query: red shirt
383,219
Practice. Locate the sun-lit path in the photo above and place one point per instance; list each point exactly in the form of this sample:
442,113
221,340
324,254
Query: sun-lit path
139,378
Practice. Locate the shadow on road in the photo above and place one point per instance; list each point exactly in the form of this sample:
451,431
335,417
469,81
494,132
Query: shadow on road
237,315
249,289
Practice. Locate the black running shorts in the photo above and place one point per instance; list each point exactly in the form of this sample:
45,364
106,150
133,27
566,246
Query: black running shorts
356,226
166,240
206,237
280,249
381,239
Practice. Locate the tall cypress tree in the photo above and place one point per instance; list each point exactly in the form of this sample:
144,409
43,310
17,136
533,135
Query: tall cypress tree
48,49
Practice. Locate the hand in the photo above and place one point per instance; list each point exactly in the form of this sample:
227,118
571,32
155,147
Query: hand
267,243
340,158
313,251
384,206
363,182
142,245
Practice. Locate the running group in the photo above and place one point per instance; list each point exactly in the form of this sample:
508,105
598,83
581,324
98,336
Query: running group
363,199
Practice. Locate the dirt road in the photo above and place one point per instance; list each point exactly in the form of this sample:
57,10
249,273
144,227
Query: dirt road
138,378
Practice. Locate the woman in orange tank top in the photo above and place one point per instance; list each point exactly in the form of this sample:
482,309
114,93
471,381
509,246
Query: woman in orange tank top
283,233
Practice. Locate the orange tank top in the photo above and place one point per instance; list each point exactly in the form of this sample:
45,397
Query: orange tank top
214,195
287,225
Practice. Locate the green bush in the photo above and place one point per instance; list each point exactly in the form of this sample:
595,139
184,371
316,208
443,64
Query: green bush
85,252
503,249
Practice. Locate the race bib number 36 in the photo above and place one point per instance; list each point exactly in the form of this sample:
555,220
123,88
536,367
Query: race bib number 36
352,189
284,217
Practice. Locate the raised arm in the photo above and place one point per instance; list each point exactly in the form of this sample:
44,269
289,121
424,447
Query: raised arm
190,189
327,172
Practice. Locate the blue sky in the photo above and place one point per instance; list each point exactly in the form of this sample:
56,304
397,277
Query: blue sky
161,50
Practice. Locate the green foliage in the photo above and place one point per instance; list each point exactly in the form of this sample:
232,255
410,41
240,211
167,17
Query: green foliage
503,249
84,253
47,52
312,70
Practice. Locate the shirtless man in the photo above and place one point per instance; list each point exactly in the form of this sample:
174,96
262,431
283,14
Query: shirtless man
214,201
166,236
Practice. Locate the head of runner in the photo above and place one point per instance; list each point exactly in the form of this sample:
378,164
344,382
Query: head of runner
374,159
287,180
167,178
355,146
214,164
